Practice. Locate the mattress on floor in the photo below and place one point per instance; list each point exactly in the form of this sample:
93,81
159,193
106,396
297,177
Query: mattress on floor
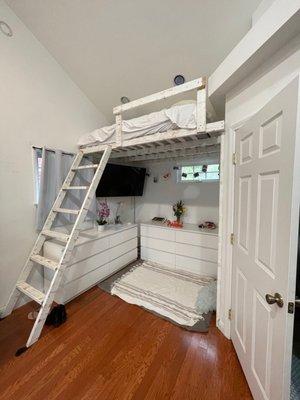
182,116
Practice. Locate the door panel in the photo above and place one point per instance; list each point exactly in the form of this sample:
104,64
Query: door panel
244,212
240,308
265,195
260,357
266,222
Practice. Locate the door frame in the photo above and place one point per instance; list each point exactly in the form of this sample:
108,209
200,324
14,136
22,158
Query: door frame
226,221
226,214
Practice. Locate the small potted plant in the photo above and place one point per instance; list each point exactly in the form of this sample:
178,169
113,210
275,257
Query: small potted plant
103,215
179,209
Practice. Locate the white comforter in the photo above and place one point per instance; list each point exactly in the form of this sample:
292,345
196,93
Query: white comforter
180,116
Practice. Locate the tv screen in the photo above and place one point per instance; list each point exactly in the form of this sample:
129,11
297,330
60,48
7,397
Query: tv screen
121,180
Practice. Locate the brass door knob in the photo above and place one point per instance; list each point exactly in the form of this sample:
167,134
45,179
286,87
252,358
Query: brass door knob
277,298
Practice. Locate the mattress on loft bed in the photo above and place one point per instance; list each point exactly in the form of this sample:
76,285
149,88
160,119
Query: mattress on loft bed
181,116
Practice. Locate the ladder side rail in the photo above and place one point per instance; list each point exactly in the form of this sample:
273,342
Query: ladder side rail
62,193
65,258
40,239
45,308
52,214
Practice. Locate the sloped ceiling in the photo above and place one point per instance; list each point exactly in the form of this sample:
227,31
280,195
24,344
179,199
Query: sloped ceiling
114,48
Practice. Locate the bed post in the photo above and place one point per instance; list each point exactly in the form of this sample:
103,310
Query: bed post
201,108
119,135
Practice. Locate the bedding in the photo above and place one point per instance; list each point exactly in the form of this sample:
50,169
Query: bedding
181,296
180,116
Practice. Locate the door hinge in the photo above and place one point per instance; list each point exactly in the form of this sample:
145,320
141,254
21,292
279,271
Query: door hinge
291,307
229,314
234,158
232,239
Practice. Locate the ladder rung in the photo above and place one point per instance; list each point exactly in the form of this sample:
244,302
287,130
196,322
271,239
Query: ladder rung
66,211
56,235
46,262
75,187
31,292
93,166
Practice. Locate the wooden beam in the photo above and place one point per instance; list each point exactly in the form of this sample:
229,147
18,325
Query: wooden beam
119,135
208,157
210,111
201,110
169,147
175,154
211,128
164,94
213,157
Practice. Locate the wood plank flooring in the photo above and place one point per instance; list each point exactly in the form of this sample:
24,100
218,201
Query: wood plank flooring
111,350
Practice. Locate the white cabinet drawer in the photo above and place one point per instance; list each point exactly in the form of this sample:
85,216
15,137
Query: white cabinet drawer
122,236
69,290
160,257
197,239
87,265
74,288
157,232
89,249
158,244
196,266
202,253
92,261
82,267
54,251
122,261
123,248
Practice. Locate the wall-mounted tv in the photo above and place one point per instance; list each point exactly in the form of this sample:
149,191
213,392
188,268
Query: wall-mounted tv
121,180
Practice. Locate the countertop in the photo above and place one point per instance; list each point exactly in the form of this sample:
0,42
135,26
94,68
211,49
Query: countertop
186,227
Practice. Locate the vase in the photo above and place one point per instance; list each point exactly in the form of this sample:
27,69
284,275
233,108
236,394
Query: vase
178,220
101,228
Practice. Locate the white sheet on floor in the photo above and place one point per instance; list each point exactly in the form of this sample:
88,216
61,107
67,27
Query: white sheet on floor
178,295
180,116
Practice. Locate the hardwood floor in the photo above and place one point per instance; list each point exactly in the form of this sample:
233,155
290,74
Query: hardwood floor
109,349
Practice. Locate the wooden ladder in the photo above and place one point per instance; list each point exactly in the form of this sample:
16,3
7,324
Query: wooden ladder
22,287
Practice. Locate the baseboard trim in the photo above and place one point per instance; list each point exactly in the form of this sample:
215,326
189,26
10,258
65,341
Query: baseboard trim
2,308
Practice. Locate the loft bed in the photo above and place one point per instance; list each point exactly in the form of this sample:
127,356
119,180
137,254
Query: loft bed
170,143
180,131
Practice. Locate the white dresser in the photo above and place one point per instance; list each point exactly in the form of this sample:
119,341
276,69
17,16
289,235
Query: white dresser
96,256
187,248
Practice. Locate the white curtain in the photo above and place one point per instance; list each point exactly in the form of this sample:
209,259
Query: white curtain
55,167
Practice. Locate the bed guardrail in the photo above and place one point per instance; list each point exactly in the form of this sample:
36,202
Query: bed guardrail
198,84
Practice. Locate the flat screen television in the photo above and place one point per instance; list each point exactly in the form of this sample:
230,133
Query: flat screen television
121,180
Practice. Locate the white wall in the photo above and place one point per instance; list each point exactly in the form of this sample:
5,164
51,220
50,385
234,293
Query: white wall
261,9
39,105
243,101
125,209
252,94
201,199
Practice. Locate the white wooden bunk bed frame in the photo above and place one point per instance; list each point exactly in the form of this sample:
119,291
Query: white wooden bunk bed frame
170,144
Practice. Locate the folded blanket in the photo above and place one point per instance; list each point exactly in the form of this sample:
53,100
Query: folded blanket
178,295
179,116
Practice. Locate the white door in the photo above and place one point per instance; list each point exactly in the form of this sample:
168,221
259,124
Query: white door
266,216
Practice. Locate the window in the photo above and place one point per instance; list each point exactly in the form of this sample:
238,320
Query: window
37,169
199,173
